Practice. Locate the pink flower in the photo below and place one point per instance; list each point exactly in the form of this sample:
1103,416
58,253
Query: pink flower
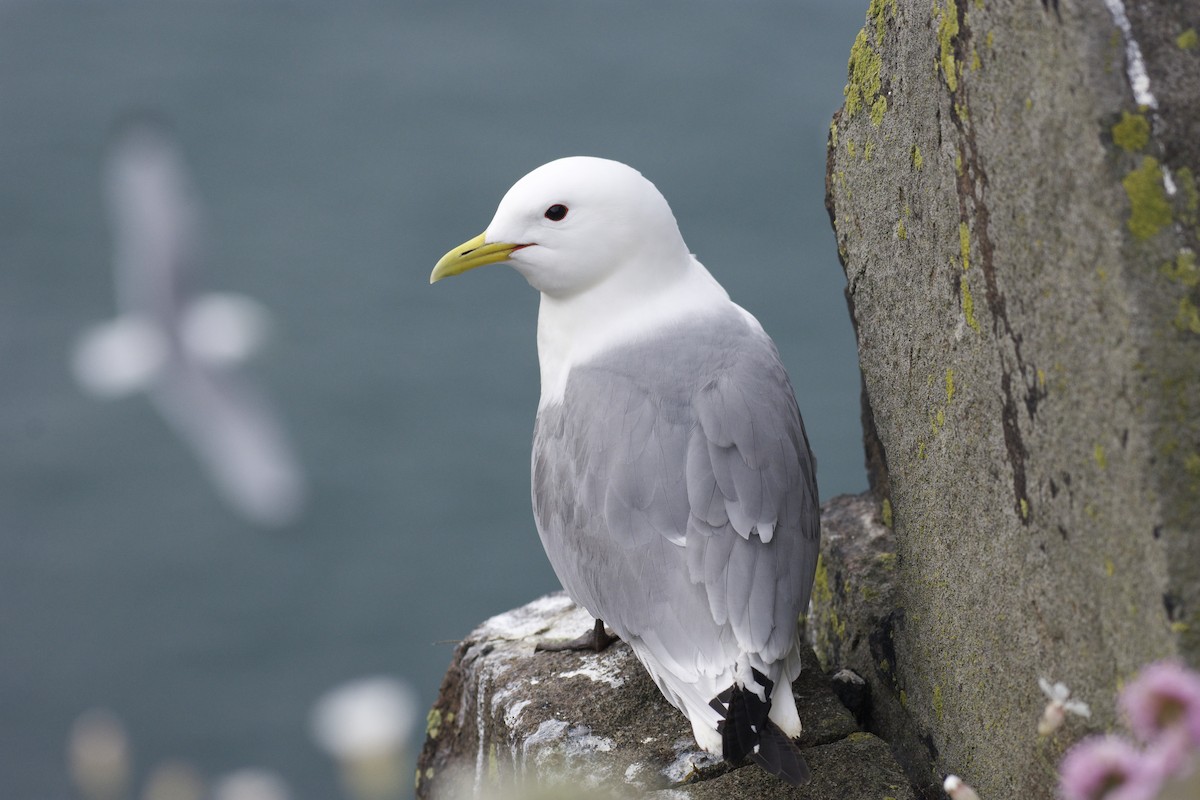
1107,768
1164,697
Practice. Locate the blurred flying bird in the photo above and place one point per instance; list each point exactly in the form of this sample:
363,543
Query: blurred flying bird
185,349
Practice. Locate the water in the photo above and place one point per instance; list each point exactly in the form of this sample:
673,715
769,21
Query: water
341,148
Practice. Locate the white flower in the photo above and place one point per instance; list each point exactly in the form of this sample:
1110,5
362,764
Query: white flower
958,790
1059,706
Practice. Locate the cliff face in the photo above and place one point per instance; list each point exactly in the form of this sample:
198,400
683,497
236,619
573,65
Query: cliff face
1013,189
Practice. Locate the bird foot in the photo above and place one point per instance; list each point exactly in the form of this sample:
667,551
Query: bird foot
594,640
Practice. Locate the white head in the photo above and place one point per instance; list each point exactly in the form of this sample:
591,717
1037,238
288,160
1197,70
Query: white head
574,223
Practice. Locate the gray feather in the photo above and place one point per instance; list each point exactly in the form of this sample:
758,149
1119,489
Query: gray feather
657,479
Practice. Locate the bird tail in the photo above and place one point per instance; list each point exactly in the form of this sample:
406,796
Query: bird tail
746,731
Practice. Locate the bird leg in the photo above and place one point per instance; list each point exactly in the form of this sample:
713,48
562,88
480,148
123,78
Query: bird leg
595,640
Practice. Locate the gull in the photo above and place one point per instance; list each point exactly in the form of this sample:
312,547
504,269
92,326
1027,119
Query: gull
673,486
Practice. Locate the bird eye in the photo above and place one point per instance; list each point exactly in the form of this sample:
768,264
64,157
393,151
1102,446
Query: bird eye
556,212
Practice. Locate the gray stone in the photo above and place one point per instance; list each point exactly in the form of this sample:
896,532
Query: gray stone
1022,276
511,720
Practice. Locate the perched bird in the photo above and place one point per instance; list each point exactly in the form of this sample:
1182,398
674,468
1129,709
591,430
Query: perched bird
673,486
185,348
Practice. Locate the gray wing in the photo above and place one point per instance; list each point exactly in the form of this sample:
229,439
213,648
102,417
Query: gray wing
675,494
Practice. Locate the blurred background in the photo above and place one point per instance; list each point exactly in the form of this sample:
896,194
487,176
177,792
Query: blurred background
340,148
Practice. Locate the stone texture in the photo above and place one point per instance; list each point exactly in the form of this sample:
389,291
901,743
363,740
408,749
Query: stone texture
508,720
1022,277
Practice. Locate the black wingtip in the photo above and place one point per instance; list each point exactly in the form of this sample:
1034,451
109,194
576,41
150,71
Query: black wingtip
778,754
746,732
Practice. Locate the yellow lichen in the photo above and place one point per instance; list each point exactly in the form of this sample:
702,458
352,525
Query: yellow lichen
878,11
1024,508
1187,40
1150,211
921,450
917,160
878,109
1183,269
1109,567
868,149
990,39
885,512
433,723
964,245
833,133
976,63
1101,458
851,148
949,385
968,305
946,32
938,702
865,81
901,231
1188,318
1132,133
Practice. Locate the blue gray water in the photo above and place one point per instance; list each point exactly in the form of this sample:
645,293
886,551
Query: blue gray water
341,148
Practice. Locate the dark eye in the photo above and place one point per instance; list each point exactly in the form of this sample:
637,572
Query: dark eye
556,212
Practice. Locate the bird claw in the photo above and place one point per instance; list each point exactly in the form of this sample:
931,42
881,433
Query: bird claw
595,640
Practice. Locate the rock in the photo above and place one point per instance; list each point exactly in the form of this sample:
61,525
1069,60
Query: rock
853,622
1013,190
508,719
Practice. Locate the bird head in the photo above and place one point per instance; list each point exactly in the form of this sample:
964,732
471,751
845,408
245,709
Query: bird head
574,223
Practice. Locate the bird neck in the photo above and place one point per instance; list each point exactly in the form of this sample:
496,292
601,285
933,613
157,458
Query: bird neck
624,308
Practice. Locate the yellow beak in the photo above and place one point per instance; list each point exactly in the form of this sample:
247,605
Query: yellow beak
470,255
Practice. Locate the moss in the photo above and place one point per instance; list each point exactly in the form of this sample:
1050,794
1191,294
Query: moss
917,160
947,30
1180,627
1183,269
939,705
865,81
901,231
1101,458
433,723
1187,40
1188,318
885,512
1132,133
964,245
968,305
1149,211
